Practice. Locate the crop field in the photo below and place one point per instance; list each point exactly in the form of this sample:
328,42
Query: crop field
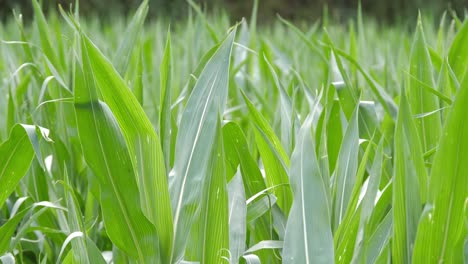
203,141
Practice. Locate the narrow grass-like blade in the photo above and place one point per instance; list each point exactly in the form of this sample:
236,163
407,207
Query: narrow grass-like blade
195,139
344,236
165,112
368,204
44,34
122,56
84,250
273,156
237,218
381,95
75,224
288,117
236,147
378,241
205,20
308,237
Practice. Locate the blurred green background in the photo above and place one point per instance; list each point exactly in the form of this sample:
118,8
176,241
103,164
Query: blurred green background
382,10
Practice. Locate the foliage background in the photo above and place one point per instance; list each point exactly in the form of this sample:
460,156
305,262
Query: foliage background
383,10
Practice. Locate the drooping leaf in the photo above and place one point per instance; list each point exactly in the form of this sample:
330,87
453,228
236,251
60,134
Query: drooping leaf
143,144
106,153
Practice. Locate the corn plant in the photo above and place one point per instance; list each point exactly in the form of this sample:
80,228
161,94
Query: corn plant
203,143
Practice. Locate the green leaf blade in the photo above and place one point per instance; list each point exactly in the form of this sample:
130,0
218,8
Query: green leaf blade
195,139
308,237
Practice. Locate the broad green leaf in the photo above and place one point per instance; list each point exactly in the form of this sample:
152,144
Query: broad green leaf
106,153
194,140
275,170
334,134
141,141
7,230
308,237
345,172
442,227
16,155
420,100
409,184
214,218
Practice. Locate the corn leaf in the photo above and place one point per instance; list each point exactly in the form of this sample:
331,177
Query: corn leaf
106,153
16,155
195,139
308,237
345,172
214,209
442,228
